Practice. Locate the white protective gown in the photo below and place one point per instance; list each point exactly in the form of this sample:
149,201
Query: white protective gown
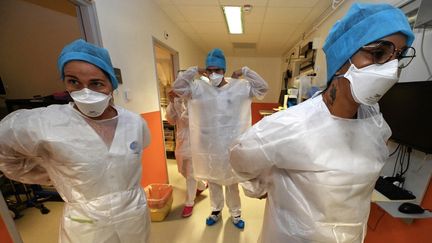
101,186
318,170
216,117
177,114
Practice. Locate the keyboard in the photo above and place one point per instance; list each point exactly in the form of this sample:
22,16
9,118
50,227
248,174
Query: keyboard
391,191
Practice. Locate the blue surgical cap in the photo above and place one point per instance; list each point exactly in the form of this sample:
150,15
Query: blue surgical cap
80,50
216,58
363,24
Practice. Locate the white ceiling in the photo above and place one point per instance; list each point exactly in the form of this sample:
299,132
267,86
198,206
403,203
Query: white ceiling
274,26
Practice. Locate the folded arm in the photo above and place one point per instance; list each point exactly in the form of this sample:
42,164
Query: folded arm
19,159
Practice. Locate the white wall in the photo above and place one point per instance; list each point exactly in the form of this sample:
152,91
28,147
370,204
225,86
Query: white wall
31,39
267,67
127,32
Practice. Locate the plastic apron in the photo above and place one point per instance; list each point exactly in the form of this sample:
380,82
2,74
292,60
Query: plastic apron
323,173
216,117
177,114
104,201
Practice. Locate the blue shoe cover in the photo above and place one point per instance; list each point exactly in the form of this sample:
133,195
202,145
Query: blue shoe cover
212,219
239,223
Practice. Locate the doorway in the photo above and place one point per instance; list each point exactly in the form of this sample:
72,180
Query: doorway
166,61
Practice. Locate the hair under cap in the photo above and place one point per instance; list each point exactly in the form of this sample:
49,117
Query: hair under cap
80,50
363,24
216,58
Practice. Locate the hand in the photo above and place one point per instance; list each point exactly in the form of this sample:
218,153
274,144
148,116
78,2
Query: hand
263,196
237,74
172,95
202,71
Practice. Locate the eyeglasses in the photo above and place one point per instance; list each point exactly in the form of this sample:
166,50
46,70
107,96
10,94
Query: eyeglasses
213,70
382,51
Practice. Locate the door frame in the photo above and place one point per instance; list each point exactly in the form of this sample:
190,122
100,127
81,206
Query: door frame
88,21
175,67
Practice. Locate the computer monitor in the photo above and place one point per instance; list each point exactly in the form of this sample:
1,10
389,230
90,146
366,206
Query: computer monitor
407,108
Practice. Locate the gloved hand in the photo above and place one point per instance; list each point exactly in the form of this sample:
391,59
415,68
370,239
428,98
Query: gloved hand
172,95
236,74
202,71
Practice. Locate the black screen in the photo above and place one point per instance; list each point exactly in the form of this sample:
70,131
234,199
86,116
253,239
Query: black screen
407,108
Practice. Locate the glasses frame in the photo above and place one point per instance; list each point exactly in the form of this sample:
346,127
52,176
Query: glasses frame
399,52
214,70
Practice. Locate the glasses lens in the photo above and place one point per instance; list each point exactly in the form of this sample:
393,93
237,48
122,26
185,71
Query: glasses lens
406,57
380,51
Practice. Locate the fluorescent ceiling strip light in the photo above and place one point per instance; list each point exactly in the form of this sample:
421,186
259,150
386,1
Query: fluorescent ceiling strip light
233,16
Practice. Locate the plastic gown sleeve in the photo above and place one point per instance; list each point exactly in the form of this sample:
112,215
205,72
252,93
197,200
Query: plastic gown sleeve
249,163
171,114
255,188
184,84
263,146
258,84
19,160
247,157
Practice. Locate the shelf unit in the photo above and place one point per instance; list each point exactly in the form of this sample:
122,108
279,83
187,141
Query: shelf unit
170,139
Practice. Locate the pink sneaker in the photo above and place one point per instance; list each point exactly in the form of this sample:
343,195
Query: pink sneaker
187,211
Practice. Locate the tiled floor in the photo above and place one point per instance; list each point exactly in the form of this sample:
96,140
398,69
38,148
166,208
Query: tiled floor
37,228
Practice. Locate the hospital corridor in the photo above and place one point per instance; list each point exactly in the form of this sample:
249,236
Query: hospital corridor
216,121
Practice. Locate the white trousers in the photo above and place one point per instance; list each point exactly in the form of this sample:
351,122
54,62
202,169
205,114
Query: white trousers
232,195
191,184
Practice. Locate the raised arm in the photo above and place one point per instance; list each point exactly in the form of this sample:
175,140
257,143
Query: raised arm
184,84
259,86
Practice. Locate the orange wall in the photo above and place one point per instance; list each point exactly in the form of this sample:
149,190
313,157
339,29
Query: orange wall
4,233
383,228
153,159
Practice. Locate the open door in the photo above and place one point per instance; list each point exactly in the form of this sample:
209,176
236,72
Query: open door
166,61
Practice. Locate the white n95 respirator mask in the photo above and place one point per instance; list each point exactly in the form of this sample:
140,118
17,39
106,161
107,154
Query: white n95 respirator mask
215,79
370,83
89,102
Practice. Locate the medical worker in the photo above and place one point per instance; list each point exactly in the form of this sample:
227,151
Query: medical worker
89,149
219,111
177,114
318,161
